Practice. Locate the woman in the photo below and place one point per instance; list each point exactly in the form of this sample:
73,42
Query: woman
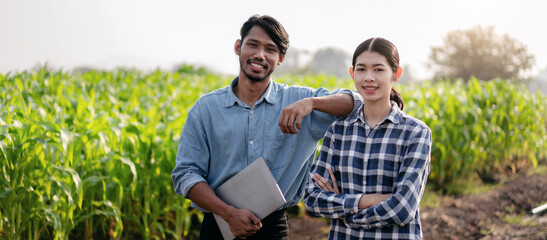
372,169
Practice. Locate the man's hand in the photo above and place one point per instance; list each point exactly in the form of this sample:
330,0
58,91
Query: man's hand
243,223
292,115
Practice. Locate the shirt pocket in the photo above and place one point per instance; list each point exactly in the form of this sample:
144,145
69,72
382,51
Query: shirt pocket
391,164
388,171
273,146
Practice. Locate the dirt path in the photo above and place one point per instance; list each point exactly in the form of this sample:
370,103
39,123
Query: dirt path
501,213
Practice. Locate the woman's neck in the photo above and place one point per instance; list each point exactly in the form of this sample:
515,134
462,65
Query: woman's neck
374,112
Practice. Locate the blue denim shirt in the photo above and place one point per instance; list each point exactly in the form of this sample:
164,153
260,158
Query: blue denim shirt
222,135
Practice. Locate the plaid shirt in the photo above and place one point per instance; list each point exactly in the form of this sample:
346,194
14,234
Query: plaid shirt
391,158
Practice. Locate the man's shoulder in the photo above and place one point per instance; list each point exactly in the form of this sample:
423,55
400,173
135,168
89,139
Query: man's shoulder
297,90
215,98
284,86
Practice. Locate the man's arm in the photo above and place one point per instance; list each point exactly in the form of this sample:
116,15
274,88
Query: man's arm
243,223
191,165
340,104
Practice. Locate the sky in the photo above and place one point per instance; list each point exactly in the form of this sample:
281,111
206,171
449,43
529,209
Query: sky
161,34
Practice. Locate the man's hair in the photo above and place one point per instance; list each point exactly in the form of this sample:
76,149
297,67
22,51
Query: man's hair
273,28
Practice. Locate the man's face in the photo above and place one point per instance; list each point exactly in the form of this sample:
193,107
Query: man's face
258,55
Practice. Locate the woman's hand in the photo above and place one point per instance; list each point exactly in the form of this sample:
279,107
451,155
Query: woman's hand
369,200
366,200
324,184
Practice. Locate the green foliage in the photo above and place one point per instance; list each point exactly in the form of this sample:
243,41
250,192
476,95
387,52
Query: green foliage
90,155
479,128
185,68
481,53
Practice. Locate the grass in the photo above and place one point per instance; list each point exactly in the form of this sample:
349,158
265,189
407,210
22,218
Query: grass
432,198
520,219
539,170
436,198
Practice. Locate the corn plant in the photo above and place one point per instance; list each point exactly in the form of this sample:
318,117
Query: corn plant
89,155
479,128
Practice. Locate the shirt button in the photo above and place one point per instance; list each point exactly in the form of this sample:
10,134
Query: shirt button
251,142
252,112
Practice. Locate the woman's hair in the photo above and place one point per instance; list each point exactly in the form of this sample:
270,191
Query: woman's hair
388,50
273,28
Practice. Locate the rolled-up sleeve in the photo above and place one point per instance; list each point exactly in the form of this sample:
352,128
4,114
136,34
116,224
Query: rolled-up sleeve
357,100
320,120
192,155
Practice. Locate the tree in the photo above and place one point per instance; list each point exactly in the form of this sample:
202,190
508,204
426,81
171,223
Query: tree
481,53
539,82
293,62
328,60
408,75
331,60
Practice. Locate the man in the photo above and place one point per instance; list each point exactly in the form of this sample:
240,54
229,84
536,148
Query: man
254,117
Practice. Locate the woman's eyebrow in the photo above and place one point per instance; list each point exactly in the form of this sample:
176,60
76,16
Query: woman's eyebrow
374,65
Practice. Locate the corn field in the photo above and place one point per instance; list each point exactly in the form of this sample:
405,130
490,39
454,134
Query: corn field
89,155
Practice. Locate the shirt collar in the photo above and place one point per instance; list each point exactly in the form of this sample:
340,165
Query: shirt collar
270,95
393,116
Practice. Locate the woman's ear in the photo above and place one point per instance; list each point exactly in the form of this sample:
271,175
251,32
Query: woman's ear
351,72
398,73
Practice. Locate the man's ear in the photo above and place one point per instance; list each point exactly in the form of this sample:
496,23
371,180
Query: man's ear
281,58
351,72
398,73
237,47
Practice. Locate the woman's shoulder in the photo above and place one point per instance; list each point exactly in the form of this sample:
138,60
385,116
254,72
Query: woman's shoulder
413,122
350,118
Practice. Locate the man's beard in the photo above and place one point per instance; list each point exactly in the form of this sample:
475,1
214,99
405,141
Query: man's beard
254,78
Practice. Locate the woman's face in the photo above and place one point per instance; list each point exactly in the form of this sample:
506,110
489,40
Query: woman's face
373,77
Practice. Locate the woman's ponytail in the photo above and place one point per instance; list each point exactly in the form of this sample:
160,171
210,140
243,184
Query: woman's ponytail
395,96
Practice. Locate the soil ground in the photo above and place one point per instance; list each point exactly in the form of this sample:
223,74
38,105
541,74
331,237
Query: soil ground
500,213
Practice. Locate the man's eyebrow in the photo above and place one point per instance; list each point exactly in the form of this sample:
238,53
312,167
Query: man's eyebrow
255,41
251,40
272,45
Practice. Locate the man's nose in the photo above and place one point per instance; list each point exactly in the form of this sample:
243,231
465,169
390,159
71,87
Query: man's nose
260,53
